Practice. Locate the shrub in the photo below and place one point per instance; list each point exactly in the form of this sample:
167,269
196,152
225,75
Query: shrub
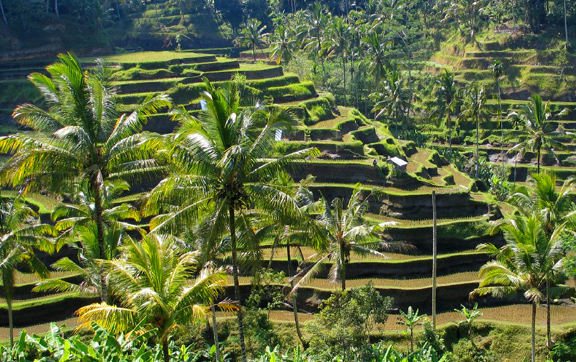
345,322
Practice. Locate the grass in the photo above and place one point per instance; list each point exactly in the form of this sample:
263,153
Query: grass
324,284
152,56
41,301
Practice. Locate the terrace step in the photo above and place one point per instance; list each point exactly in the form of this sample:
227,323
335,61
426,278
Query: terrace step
399,269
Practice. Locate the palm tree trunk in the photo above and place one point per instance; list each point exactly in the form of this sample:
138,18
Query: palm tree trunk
539,150
215,332
566,26
10,316
294,305
100,233
501,123
3,13
477,150
343,266
434,258
549,343
533,331
166,351
56,10
344,73
236,281
449,120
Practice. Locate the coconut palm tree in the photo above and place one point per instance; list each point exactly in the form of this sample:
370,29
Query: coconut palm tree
393,101
77,229
158,290
338,43
282,45
79,137
20,234
497,73
316,20
252,36
345,231
554,208
447,93
474,108
524,265
537,131
220,163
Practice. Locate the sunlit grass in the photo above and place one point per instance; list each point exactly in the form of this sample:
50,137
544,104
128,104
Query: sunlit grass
324,284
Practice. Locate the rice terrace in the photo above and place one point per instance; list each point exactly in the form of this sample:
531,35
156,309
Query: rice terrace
287,180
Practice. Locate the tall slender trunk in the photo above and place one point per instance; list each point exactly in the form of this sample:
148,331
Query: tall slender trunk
8,280
434,258
3,13
236,281
566,26
501,123
215,332
449,120
56,10
539,150
166,350
477,147
549,343
344,78
533,331
343,263
100,233
293,297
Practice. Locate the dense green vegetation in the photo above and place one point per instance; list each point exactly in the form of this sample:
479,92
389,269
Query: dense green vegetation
286,182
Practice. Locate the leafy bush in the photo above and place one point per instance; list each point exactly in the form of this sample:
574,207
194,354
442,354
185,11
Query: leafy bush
345,322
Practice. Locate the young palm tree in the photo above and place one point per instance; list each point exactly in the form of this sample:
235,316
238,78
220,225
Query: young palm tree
20,234
411,320
537,131
79,137
474,104
523,265
252,36
344,232
220,163
158,290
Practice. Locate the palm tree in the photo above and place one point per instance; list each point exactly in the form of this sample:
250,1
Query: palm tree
152,284
525,264
220,163
252,36
447,93
316,20
497,72
282,45
470,315
20,234
555,208
345,231
393,101
295,231
475,99
338,43
76,224
79,137
537,131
